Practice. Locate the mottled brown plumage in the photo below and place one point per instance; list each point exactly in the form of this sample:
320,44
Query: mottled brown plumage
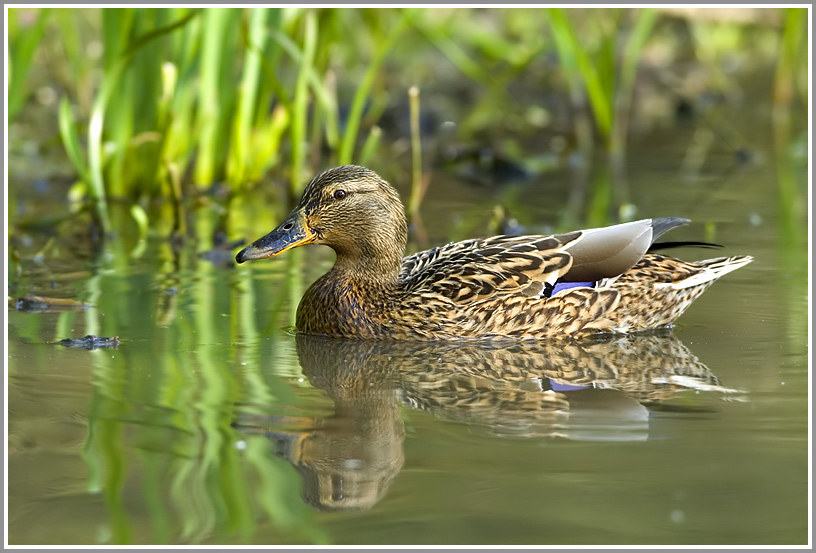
499,287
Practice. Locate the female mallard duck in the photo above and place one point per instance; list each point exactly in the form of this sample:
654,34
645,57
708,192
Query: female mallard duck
565,285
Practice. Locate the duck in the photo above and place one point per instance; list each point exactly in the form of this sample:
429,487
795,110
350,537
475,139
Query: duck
571,285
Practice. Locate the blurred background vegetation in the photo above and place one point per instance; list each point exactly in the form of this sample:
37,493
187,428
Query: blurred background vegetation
155,108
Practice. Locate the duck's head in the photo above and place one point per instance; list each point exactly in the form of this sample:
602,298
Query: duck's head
350,209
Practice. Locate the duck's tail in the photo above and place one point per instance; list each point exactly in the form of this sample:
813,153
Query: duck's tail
711,270
655,292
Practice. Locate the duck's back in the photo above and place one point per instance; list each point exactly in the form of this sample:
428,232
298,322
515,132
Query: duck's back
565,285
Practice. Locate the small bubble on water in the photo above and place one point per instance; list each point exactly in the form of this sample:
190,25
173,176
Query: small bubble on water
677,516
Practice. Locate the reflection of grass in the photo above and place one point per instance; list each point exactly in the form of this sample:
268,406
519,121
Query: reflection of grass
164,404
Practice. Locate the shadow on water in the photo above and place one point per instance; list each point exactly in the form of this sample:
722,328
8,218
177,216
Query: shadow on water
591,391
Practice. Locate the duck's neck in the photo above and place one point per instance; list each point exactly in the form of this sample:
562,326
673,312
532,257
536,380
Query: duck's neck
366,269
367,257
353,299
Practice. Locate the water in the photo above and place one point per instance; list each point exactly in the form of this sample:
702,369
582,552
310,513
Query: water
213,423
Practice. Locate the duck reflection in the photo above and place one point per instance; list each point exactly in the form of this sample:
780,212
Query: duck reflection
598,390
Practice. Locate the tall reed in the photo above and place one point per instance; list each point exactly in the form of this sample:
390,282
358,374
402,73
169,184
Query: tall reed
606,72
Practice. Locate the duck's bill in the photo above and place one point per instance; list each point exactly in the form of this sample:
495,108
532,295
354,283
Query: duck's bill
291,233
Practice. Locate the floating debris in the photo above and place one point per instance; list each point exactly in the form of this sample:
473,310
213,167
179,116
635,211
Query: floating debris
38,304
91,342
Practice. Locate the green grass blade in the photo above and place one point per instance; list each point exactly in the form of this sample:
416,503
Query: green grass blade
644,24
116,22
178,119
793,35
573,52
362,93
371,144
416,154
298,128
70,139
210,101
96,181
21,51
266,143
247,97
437,34
319,88
161,31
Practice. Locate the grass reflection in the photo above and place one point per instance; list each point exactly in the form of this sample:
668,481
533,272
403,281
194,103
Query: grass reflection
163,407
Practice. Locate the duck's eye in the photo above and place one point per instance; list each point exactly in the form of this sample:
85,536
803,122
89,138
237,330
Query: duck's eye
339,194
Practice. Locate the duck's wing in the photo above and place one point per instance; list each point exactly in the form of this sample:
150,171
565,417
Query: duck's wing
610,251
473,270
